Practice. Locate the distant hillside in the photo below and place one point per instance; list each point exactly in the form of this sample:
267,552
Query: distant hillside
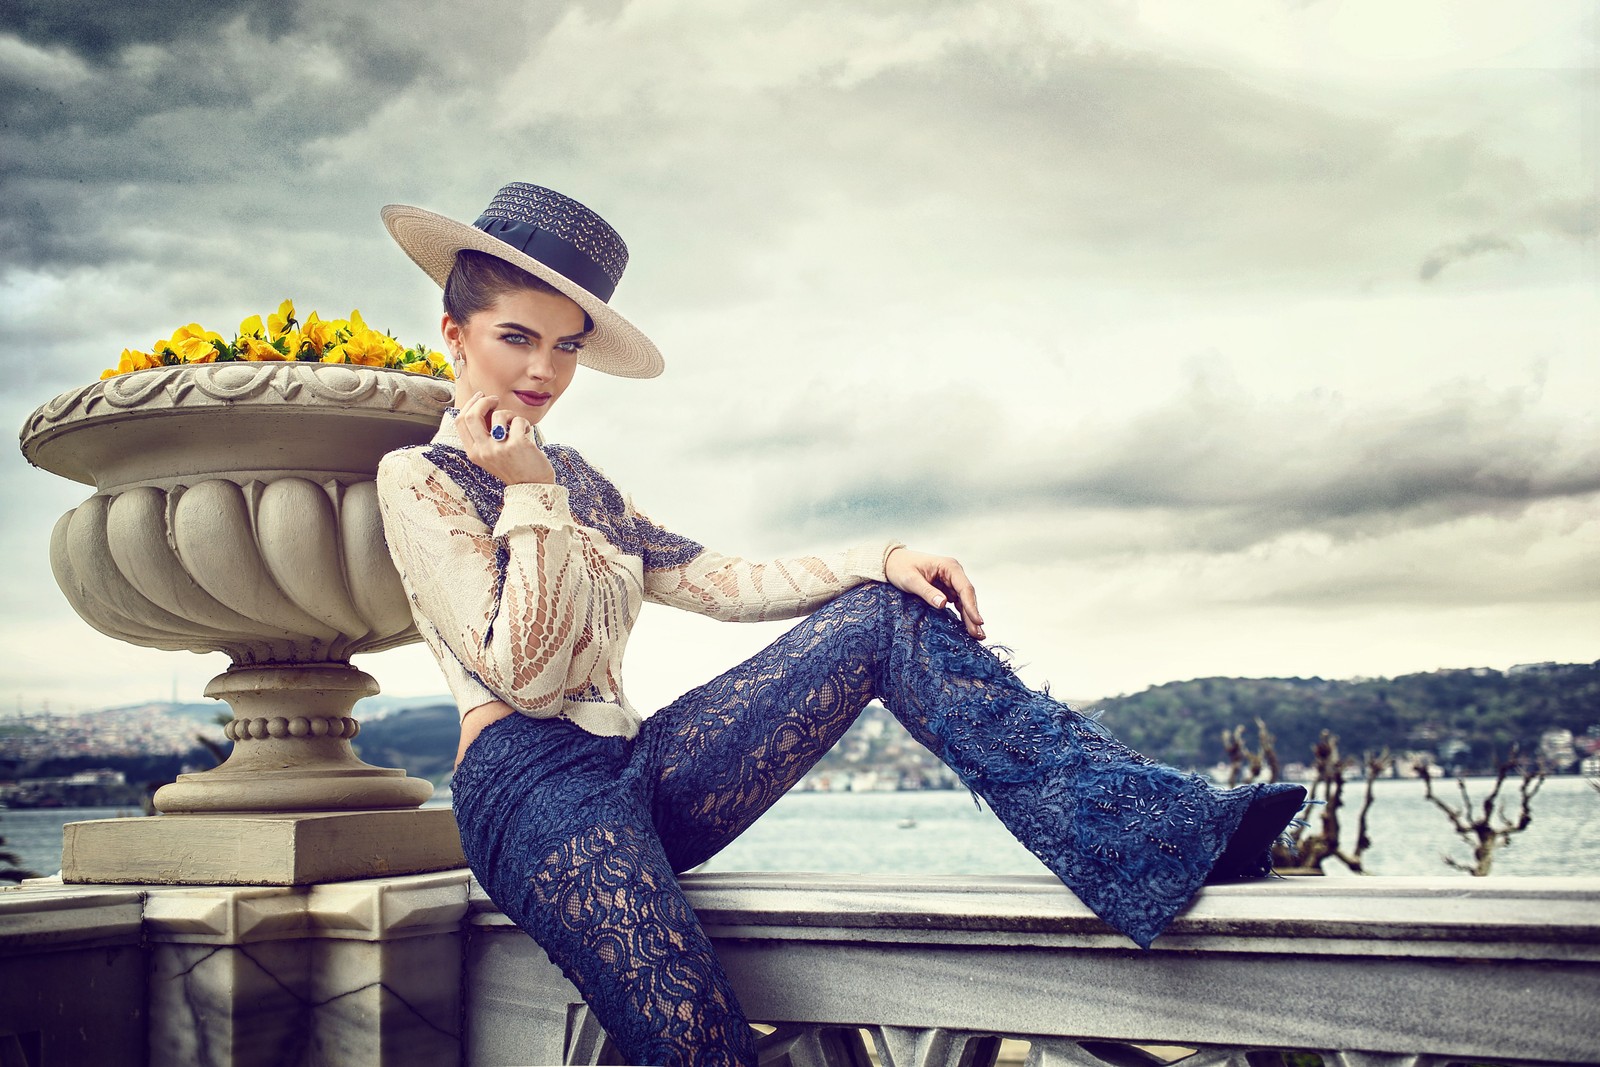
422,740
204,712
1465,718
376,707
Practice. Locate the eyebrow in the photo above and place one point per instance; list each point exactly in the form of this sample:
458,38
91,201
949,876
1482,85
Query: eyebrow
530,331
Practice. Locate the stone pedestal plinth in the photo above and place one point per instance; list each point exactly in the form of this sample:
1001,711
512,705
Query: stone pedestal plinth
268,848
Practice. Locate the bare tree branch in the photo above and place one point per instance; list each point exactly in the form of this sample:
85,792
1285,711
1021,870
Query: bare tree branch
1483,833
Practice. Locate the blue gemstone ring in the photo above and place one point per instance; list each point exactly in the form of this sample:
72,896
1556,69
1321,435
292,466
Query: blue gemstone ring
498,433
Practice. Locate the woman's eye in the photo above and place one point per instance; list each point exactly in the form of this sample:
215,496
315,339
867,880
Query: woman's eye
569,346
514,338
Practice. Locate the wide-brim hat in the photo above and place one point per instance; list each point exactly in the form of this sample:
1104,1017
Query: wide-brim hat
552,237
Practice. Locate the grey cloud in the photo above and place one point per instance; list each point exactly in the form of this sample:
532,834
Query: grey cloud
1317,462
251,127
1464,581
1027,155
1221,473
1578,219
231,122
1477,245
99,31
1024,156
1031,156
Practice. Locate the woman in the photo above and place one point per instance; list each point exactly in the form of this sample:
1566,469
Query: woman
526,569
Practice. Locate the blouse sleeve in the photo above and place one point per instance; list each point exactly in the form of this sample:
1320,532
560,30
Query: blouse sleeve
507,604
738,590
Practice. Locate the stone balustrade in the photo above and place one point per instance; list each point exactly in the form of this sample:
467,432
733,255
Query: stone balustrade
933,972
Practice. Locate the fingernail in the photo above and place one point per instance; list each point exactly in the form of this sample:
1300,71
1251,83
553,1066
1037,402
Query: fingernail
939,603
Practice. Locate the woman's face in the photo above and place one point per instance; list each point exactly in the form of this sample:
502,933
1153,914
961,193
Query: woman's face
523,348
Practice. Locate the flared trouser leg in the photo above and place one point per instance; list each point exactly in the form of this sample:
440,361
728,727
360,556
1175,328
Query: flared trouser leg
1134,839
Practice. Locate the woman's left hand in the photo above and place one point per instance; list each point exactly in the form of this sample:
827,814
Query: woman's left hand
938,580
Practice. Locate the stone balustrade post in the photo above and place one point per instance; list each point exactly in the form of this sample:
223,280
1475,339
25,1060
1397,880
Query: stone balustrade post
361,973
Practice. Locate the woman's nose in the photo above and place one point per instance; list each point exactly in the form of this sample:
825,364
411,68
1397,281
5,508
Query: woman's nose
541,361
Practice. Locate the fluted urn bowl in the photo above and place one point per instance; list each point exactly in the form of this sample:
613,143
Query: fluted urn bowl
235,511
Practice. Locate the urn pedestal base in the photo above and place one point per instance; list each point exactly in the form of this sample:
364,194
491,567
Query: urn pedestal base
281,849
291,734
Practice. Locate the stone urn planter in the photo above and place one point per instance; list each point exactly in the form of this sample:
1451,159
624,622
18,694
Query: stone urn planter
235,510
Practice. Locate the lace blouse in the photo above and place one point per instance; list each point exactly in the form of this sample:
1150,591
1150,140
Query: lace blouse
527,593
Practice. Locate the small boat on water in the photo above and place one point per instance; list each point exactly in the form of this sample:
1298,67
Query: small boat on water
908,823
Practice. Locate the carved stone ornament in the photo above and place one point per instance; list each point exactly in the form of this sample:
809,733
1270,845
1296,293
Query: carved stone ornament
235,511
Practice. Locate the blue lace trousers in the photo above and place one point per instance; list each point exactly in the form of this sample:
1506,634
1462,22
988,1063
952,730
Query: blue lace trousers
577,838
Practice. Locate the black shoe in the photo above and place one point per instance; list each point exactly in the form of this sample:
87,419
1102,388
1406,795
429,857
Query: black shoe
1249,851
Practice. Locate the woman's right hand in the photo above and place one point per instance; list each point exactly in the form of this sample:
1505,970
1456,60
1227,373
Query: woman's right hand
515,460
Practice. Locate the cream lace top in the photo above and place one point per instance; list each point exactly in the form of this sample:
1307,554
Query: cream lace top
527,593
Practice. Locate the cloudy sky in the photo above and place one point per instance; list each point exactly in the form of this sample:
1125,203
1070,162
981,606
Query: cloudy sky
1245,337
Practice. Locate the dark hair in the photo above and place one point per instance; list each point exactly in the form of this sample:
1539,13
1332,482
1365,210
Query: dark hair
479,279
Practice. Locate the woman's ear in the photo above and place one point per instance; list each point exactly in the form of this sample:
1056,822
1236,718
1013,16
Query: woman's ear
450,330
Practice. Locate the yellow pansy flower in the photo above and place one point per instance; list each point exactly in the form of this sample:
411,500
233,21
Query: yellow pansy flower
292,343
131,360
322,333
282,338
369,338
254,348
195,350
279,323
194,331
428,361
363,349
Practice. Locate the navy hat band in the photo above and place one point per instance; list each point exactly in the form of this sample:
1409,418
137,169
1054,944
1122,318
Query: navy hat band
555,252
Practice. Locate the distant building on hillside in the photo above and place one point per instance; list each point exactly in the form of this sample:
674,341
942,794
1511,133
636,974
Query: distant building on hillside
1557,751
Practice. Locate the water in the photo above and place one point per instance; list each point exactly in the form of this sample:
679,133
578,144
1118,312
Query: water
862,833
1410,835
34,834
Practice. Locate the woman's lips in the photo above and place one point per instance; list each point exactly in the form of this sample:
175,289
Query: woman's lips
533,400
